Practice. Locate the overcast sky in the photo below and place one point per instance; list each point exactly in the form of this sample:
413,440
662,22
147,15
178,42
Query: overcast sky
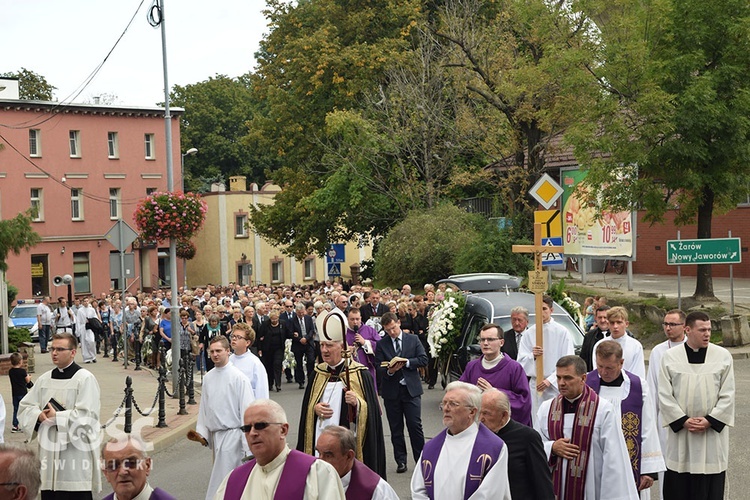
65,40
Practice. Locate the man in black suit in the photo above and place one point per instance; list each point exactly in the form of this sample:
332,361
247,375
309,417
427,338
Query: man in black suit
519,320
374,308
528,471
594,335
401,387
286,316
303,331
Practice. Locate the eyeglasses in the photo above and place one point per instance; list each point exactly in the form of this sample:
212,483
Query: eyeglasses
487,340
238,337
671,325
259,426
59,349
127,464
452,405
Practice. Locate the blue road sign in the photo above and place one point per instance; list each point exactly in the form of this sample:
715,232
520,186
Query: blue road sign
334,269
552,258
335,253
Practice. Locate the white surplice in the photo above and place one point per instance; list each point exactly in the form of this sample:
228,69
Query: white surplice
322,482
253,368
86,337
632,355
608,475
453,465
557,343
226,395
652,378
652,460
697,390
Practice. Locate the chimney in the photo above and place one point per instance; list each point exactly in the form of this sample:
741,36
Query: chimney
9,88
238,183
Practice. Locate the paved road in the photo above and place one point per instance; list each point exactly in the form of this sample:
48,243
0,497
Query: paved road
184,468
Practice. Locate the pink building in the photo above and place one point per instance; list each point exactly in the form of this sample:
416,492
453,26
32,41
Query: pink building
82,167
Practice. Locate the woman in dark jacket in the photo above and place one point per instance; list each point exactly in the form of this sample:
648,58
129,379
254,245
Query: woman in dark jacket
273,335
214,328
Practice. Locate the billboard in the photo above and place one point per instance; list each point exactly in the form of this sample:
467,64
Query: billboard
586,233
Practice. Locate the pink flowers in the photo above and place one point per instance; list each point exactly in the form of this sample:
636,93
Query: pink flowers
162,216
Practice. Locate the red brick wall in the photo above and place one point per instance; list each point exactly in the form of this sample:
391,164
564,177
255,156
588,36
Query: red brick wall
651,243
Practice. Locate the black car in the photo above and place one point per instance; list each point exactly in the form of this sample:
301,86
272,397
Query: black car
484,307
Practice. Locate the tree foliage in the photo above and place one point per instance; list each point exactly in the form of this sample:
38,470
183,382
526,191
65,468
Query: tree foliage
676,102
16,234
31,86
215,122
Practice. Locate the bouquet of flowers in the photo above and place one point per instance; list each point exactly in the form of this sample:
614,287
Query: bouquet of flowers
288,361
185,249
445,326
162,216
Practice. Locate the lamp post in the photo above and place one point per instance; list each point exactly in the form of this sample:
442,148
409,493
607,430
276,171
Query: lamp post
189,152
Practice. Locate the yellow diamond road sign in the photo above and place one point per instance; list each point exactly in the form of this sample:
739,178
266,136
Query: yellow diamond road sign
546,191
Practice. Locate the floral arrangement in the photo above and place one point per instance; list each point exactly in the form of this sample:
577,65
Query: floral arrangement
288,361
445,326
558,293
170,215
185,249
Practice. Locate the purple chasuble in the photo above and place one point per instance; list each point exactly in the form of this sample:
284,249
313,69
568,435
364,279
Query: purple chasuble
291,483
631,409
484,455
362,483
508,376
368,333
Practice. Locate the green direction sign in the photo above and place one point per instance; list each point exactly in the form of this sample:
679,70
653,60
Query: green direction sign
704,251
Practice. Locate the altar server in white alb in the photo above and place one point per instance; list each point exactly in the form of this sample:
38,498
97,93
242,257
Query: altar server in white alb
583,440
632,401
696,400
226,394
62,412
632,350
243,336
557,343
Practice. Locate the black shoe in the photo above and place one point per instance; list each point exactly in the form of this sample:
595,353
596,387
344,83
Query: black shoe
302,386
114,360
431,386
105,355
401,468
278,389
289,380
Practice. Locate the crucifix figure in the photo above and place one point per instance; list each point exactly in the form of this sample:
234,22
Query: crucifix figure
538,285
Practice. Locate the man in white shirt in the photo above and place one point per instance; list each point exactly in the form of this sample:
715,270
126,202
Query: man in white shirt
64,317
44,323
632,350
248,363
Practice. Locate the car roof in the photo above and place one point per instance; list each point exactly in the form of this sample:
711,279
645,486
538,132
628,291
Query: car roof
494,304
483,282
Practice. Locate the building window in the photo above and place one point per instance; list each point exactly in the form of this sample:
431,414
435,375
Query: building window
35,143
76,204
37,204
150,191
114,203
75,143
150,153
277,271
310,268
113,148
240,226
81,272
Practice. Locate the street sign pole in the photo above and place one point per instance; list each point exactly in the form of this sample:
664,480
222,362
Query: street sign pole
679,282
731,284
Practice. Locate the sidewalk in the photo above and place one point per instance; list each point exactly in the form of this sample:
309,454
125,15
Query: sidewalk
111,377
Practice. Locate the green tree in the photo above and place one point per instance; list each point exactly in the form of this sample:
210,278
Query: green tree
16,234
32,86
676,104
215,122
493,253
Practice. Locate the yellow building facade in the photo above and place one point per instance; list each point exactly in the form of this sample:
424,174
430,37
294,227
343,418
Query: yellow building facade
229,251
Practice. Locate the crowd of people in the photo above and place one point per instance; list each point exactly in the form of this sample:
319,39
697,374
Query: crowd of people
596,425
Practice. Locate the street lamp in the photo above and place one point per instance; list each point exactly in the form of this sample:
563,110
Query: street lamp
189,152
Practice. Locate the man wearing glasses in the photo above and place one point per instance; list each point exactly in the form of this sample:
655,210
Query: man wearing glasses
276,471
466,459
226,394
248,363
62,411
19,473
495,369
127,467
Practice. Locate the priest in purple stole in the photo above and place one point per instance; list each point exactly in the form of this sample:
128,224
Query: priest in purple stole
495,369
626,393
465,460
362,340
126,467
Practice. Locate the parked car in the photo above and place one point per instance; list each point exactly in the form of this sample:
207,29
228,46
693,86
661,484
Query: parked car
24,316
490,299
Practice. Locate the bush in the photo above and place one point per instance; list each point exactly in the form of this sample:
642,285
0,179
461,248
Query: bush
493,254
17,336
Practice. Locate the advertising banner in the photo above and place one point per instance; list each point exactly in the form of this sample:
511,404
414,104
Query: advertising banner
590,234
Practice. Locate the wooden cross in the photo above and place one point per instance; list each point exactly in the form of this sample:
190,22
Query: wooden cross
538,285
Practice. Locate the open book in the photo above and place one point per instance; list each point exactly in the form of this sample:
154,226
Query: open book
397,359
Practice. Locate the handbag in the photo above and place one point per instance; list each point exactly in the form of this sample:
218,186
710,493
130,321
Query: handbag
194,345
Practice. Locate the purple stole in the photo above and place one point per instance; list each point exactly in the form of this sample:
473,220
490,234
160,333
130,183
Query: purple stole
631,409
291,484
158,494
484,455
362,483
583,430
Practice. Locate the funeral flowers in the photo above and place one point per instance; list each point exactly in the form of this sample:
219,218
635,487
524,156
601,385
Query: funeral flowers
163,216
445,326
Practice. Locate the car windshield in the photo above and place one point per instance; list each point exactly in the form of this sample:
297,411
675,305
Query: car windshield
23,312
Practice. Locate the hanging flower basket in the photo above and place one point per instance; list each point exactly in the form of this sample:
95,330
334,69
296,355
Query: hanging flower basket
185,249
164,216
